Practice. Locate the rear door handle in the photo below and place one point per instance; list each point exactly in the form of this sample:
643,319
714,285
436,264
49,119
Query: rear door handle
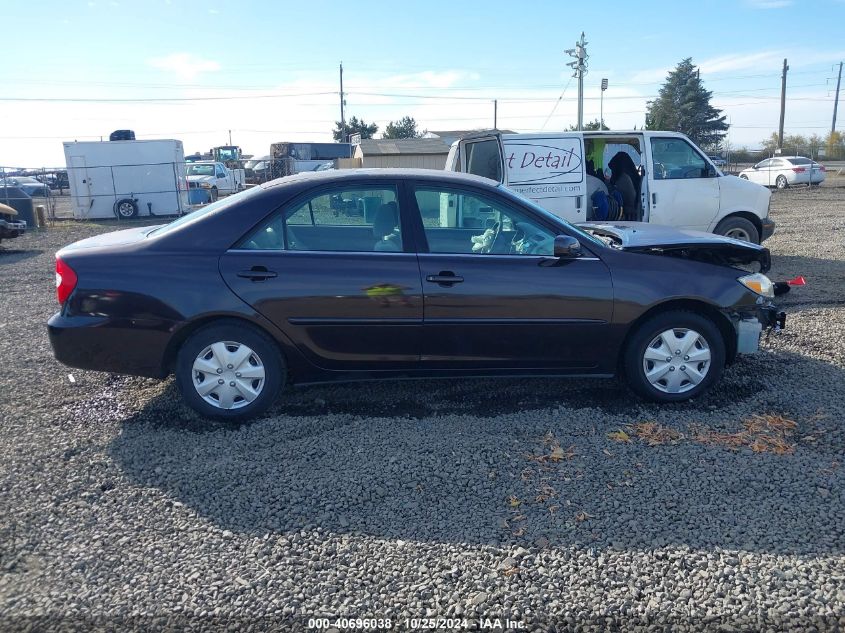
257,273
444,278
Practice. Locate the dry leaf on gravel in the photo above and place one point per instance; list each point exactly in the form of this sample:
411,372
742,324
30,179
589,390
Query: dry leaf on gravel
583,516
655,434
619,436
514,502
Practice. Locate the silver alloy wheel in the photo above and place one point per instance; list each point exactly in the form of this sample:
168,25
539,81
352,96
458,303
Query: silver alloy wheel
781,182
676,360
126,209
228,375
739,234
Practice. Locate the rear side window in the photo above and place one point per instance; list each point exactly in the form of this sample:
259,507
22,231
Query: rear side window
800,161
484,159
350,220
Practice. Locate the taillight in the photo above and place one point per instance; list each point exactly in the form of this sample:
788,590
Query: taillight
65,280
821,168
799,170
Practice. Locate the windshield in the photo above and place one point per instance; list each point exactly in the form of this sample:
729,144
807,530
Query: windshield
214,207
200,170
551,216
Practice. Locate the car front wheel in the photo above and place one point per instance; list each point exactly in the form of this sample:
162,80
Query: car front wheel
674,356
229,371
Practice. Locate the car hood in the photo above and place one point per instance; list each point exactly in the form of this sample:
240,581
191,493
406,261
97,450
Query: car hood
655,239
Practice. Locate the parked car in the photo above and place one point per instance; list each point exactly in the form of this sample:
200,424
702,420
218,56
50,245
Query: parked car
10,225
718,161
783,171
216,177
29,185
668,179
453,275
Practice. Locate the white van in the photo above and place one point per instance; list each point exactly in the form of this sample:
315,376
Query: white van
675,183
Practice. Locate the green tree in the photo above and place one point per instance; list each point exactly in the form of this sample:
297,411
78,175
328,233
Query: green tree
354,126
595,124
405,127
835,145
683,105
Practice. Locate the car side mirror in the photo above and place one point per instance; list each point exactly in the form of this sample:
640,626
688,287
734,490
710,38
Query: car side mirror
711,171
567,247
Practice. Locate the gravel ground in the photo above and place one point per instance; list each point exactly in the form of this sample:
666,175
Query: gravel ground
552,503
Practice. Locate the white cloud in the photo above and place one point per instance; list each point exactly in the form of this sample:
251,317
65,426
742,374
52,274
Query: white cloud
185,65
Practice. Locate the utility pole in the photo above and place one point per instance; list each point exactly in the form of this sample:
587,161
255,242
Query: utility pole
580,68
343,138
496,114
782,106
836,100
230,137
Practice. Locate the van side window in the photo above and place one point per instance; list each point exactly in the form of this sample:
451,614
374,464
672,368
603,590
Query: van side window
483,159
675,159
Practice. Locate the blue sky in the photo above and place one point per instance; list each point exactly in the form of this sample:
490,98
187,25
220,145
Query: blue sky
78,69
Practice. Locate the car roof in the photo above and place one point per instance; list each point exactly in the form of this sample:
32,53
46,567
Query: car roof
340,175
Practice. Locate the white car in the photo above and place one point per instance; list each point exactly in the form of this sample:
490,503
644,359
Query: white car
783,171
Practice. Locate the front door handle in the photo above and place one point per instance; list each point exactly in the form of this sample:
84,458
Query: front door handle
445,278
653,198
257,273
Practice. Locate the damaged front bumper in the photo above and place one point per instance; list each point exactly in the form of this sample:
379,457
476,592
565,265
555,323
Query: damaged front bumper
751,324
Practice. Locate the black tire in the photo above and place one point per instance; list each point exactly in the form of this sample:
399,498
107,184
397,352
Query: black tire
126,209
781,182
633,363
214,194
230,331
739,228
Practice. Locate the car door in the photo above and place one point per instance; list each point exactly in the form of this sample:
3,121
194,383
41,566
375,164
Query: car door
335,271
683,186
222,178
494,295
760,172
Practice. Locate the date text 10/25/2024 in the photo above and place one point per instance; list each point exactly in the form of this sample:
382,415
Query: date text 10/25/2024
386,624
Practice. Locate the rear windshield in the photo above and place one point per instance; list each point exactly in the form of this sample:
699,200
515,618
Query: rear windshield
220,205
800,161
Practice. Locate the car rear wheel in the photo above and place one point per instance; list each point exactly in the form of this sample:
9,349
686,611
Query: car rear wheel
674,356
229,371
738,228
781,182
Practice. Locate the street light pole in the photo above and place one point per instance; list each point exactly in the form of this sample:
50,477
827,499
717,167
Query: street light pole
601,111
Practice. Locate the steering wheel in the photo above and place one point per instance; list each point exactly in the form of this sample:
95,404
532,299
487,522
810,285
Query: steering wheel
497,229
660,171
517,241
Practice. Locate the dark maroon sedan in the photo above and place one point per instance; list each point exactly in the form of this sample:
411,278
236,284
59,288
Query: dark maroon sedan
373,274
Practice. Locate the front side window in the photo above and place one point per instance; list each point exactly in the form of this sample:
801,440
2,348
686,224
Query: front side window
352,220
675,159
465,223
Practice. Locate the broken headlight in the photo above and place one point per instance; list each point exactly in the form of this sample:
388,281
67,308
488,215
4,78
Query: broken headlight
759,283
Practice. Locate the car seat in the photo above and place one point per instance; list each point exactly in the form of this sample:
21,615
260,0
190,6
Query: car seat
386,228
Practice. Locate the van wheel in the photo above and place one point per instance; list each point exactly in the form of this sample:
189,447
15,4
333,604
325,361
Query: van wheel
738,228
674,356
781,182
126,209
229,371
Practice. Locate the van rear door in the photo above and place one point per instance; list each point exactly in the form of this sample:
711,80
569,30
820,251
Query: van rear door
483,155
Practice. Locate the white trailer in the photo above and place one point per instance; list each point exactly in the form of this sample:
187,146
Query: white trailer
126,179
